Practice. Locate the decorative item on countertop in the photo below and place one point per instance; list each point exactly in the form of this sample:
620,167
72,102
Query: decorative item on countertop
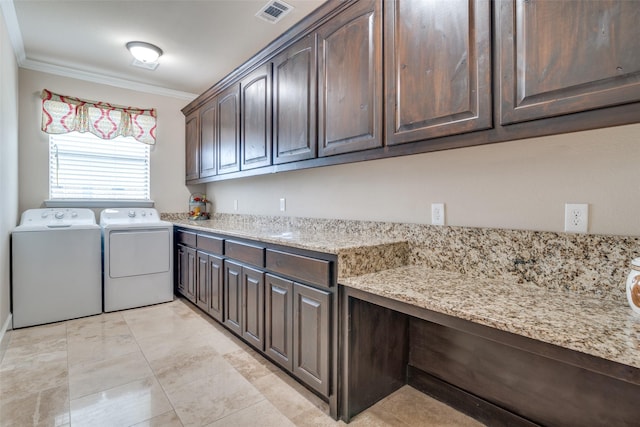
633,286
198,207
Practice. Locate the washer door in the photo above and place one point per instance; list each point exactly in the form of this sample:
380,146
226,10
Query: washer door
138,252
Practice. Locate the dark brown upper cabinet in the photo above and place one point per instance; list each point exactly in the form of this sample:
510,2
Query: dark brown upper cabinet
228,130
192,146
208,137
256,118
559,57
294,98
438,68
350,81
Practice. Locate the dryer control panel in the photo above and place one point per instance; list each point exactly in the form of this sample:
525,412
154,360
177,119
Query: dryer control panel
129,216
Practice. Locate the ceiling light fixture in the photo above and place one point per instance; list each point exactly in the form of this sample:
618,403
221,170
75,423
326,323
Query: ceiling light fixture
144,52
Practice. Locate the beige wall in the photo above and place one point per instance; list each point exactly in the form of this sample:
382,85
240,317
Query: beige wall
8,163
520,184
167,156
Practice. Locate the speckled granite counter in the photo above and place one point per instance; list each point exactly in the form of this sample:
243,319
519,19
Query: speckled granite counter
599,327
586,313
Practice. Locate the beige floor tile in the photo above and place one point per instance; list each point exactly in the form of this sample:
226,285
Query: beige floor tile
263,414
36,334
209,399
417,409
315,418
250,364
92,377
148,327
168,419
286,398
97,348
48,407
24,376
124,405
55,344
103,325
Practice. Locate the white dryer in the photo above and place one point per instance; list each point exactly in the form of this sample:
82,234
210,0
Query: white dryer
137,258
56,266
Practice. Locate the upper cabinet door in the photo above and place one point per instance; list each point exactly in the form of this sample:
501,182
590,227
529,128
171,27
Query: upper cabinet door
192,146
228,130
559,57
350,81
437,64
256,118
294,97
208,139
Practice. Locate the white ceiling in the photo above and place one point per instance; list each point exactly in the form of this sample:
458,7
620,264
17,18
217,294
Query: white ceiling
202,40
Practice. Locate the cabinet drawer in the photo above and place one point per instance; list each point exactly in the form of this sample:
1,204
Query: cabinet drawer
210,244
244,252
316,271
187,238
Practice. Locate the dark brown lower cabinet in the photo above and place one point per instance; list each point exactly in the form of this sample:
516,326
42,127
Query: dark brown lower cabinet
279,321
187,272
252,322
203,290
233,296
311,356
215,282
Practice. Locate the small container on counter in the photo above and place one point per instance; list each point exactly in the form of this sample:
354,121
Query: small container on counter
198,207
633,286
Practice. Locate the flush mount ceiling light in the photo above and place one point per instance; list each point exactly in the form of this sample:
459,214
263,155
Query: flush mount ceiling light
145,53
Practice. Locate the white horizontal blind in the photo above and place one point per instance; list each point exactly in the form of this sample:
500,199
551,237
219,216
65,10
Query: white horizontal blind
83,166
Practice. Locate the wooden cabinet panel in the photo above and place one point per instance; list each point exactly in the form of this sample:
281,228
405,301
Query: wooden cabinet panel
233,296
187,273
208,140
228,130
244,252
186,238
210,244
312,270
253,307
438,63
192,146
294,97
256,118
279,320
216,282
349,80
559,57
203,283
311,336
182,266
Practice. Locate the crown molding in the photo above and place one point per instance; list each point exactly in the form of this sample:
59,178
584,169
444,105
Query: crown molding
15,35
58,70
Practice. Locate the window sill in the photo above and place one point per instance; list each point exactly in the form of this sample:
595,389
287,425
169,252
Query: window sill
97,203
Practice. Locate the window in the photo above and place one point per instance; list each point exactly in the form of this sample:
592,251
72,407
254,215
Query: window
83,166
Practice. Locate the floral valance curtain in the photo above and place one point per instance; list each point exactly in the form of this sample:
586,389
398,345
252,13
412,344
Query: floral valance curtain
63,114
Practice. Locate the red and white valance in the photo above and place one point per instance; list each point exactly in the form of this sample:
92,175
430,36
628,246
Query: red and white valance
63,114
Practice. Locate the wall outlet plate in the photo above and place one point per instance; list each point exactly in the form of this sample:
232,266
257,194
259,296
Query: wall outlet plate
283,205
576,217
437,213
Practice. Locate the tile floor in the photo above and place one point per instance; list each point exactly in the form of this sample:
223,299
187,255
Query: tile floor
169,365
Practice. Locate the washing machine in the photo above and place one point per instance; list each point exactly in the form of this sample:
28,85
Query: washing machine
56,266
137,258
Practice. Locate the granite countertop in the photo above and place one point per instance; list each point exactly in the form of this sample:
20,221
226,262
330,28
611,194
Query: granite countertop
378,264
599,327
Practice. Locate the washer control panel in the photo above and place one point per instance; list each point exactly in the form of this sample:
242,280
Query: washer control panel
57,217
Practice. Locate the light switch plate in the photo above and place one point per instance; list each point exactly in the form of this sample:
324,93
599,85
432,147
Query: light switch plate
283,205
437,213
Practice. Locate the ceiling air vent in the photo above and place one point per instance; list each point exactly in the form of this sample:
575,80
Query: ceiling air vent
274,11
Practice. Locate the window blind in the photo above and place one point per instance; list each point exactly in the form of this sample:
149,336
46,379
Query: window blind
82,166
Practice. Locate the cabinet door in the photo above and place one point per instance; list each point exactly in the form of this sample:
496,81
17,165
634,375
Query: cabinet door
183,266
437,63
559,57
350,81
214,271
192,146
256,118
311,336
279,320
228,130
294,97
203,292
233,296
208,139
253,307
191,275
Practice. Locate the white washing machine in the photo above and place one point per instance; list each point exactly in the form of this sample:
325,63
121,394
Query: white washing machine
137,258
56,266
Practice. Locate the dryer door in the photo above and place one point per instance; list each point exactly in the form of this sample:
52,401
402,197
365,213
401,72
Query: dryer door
138,252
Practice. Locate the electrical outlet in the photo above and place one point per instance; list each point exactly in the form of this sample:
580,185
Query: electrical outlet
235,205
437,213
576,218
283,205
